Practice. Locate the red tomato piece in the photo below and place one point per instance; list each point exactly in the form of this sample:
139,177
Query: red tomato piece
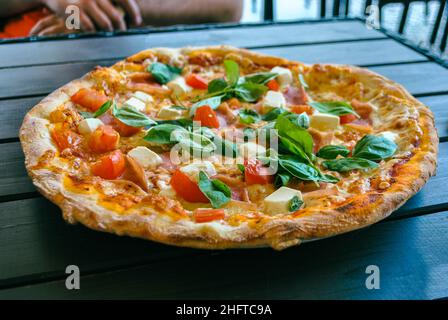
64,137
255,173
347,118
110,166
273,85
186,188
207,117
196,81
89,99
104,139
207,215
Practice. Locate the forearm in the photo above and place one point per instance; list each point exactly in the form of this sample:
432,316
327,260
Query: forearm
13,7
164,12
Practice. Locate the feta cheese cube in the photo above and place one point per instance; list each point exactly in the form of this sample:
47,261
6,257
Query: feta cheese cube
278,202
284,77
324,121
145,157
273,99
179,86
87,126
192,170
143,96
170,113
135,103
251,150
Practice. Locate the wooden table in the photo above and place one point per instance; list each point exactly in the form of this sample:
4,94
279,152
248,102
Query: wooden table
36,245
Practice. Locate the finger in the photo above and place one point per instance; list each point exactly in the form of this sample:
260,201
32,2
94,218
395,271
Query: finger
98,16
43,24
86,22
133,10
53,30
113,13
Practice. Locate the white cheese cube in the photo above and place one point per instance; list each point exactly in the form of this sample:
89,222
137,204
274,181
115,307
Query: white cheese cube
135,103
87,126
179,86
284,77
143,96
251,150
170,113
392,136
278,202
273,99
192,170
145,157
324,122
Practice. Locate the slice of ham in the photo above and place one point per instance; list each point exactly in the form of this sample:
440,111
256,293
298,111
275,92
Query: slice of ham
295,96
364,109
166,162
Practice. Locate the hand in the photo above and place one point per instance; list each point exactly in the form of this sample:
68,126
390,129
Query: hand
49,25
101,14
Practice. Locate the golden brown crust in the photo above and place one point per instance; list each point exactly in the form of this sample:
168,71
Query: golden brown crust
279,233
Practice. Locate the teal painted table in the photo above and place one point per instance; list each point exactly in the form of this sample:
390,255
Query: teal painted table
410,247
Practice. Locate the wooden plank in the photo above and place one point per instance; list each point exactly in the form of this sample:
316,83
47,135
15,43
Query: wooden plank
32,230
355,53
327,269
122,46
439,106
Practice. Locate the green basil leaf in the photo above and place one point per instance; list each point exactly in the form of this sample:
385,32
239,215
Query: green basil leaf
374,148
332,151
215,190
212,102
294,134
303,120
273,114
103,109
260,78
161,134
295,204
348,164
217,85
249,116
328,178
241,167
132,117
183,122
249,92
86,114
196,144
337,108
300,170
232,71
163,73
302,81
282,179
178,107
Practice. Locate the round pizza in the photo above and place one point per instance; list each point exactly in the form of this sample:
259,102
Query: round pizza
220,147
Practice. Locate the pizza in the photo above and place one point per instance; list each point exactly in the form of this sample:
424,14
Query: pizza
220,147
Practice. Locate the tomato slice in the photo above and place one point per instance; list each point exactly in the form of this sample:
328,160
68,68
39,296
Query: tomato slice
301,108
255,173
206,116
186,188
64,137
273,85
89,99
196,81
110,166
104,139
347,118
207,215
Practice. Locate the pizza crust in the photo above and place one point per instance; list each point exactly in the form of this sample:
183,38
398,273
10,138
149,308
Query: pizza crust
279,233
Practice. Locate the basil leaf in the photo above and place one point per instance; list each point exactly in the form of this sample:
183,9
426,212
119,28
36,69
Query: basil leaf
337,108
161,134
374,148
103,109
178,107
232,71
294,134
132,117
86,114
328,178
300,170
249,92
260,78
249,116
273,114
331,152
302,81
217,85
303,120
196,144
212,102
241,167
295,204
163,73
215,190
348,164
186,123
282,179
